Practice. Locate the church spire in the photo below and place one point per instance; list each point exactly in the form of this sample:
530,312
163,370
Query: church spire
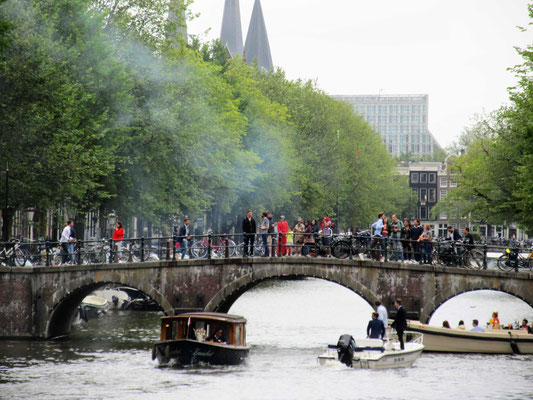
257,47
231,32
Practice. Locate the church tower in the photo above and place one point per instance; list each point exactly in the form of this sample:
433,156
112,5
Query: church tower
231,32
257,47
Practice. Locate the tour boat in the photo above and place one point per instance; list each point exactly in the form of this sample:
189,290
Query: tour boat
93,307
185,339
493,341
373,353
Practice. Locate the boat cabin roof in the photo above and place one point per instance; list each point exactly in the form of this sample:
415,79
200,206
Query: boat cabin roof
207,316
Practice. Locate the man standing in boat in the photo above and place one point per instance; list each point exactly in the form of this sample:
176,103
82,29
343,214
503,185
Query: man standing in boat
400,322
382,312
375,328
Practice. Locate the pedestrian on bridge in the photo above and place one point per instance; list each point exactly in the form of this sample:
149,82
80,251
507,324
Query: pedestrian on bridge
283,229
249,229
184,237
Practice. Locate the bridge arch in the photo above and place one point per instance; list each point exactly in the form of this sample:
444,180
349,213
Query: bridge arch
63,311
228,295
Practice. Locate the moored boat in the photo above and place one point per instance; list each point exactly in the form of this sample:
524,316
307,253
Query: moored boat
93,307
189,339
373,353
496,341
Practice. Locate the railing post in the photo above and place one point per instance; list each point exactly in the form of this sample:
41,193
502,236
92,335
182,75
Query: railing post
209,246
142,249
168,249
386,246
516,259
79,245
485,261
226,248
47,249
174,241
351,247
278,246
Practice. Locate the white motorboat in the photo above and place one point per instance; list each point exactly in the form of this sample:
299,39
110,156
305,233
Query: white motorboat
494,341
373,353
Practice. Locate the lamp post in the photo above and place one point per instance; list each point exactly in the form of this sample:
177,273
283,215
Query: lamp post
111,220
338,181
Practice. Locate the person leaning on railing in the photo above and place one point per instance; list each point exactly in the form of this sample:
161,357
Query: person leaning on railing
425,241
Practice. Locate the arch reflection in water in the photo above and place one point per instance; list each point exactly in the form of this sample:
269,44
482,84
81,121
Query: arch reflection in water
281,313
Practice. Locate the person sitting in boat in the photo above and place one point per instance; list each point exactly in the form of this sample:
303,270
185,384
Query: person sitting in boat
375,328
461,325
446,324
524,326
218,337
495,322
476,327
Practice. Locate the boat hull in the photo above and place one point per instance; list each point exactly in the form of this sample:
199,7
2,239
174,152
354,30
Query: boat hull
376,359
186,352
460,341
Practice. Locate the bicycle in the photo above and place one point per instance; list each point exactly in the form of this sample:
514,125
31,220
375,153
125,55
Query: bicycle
12,255
199,248
511,259
458,254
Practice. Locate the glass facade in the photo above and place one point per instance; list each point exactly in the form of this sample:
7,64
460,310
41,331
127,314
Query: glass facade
401,120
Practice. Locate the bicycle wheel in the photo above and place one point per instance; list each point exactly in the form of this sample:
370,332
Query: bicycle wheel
20,259
473,260
232,248
504,263
199,249
341,250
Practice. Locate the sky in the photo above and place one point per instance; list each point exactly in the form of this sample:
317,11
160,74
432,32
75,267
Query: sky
456,51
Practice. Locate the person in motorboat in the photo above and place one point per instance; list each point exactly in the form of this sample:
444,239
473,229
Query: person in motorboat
476,327
375,328
461,325
495,321
382,311
446,324
218,337
400,322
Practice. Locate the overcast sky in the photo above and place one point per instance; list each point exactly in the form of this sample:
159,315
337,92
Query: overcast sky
457,51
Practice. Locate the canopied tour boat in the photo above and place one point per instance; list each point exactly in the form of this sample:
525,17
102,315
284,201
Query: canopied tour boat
188,339
495,341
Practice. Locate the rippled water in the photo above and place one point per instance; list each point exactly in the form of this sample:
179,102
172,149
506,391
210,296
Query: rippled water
290,322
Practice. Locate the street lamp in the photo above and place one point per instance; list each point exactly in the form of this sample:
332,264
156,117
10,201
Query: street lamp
111,220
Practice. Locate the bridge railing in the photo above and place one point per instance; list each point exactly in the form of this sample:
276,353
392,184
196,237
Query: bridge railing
357,246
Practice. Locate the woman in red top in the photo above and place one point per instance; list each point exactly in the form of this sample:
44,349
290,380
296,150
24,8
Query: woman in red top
118,236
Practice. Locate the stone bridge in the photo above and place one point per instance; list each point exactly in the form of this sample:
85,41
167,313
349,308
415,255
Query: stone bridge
41,302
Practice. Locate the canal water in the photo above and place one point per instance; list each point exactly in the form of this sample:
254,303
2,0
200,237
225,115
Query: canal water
289,324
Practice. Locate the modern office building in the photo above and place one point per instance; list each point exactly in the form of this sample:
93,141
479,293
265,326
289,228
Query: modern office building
401,119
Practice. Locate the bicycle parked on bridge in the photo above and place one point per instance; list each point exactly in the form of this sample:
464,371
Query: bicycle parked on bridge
200,248
12,254
511,260
454,254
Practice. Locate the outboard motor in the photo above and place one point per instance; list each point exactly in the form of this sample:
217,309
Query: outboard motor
345,349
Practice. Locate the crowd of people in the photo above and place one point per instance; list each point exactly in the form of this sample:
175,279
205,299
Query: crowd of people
410,241
283,239
494,323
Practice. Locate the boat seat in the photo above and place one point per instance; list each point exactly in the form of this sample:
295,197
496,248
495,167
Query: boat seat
368,343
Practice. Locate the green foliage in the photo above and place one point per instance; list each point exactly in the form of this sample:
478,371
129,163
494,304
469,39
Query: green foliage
101,109
495,173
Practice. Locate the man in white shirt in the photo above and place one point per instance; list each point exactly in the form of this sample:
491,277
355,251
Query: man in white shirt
382,314
65,241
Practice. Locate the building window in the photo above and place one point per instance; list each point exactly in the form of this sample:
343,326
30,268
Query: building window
404,109
382,109
443,193
371,109
415,193
423,177
414,177
393,109
432,195
432,178
443,182
453,183
423,195
442,229
404,119
423,213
